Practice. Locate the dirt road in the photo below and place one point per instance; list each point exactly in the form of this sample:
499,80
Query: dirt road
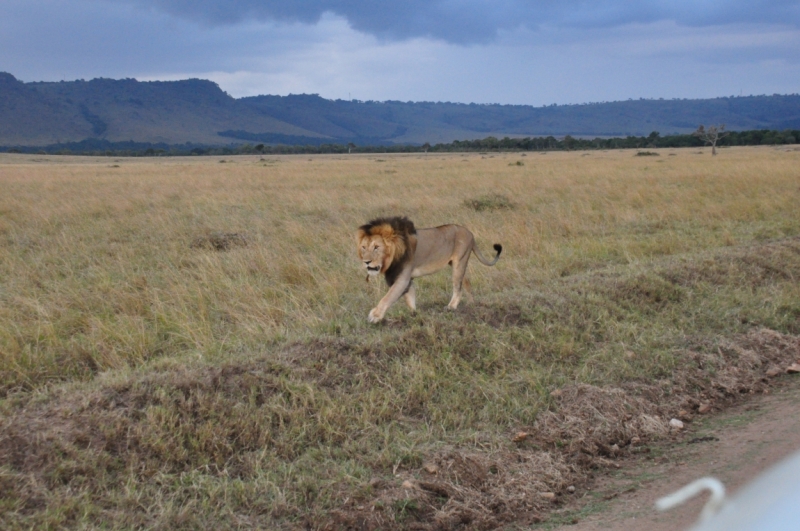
734,446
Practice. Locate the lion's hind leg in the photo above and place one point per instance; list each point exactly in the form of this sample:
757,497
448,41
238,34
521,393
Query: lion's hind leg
459,271
467,287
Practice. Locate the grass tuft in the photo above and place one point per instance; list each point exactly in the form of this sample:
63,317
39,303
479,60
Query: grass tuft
489,202
219,241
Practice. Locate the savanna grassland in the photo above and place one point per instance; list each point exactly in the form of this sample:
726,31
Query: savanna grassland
184,343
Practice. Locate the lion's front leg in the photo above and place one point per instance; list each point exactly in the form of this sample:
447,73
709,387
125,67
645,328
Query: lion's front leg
410,297
398,289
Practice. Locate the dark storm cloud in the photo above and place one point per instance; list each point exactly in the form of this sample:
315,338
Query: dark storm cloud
460,22
479,21
504,51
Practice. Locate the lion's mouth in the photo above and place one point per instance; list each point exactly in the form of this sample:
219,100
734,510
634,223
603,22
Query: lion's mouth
373,270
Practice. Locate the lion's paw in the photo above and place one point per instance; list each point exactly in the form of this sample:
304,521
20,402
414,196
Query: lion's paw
374,316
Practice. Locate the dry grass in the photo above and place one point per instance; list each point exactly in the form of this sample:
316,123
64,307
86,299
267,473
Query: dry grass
99,272
240,385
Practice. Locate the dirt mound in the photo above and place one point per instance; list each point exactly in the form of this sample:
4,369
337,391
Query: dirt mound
219,418
591,421
604,422
588,428
464,490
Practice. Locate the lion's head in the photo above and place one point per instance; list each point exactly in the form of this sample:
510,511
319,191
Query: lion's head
384,241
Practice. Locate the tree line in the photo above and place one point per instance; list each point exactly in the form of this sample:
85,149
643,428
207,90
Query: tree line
654,140
97,147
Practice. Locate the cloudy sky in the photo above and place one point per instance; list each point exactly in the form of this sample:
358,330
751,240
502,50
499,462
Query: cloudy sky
487,51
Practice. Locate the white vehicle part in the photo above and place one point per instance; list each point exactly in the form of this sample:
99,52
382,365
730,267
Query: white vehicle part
771,502
712,506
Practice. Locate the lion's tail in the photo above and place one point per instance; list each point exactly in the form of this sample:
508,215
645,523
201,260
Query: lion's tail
484,261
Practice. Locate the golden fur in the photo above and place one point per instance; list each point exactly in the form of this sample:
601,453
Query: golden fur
395,248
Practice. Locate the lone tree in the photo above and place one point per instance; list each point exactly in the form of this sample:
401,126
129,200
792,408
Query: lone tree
711,135
350,146
426,146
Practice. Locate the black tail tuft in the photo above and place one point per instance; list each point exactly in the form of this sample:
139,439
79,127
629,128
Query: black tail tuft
498,248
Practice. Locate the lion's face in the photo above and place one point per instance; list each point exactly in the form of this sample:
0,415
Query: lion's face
374,253
384,241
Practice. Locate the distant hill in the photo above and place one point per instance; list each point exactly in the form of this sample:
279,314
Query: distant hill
120,110
197,111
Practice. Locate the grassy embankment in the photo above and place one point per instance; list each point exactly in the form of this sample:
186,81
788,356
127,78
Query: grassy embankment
179,386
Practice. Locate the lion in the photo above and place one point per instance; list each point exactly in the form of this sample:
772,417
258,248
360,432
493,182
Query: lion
394,247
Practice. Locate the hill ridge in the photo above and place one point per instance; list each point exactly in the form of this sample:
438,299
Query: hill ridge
198,111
